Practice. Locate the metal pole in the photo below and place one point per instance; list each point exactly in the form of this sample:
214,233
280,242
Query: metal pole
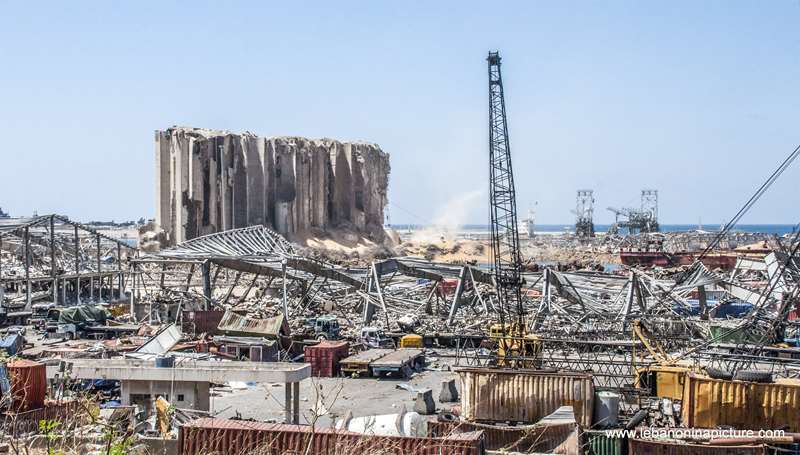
119,272
133,291
99,274
2,285
285,302
53,258
206,269
77,268
27,269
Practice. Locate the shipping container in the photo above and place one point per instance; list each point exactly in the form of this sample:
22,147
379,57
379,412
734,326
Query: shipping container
524,395
197,322
209,436
600,442
28,381
520,438
650,447
709,403
252,349
64,412
325,356
794,313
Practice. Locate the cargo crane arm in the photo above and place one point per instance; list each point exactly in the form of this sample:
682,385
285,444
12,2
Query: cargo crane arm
503,202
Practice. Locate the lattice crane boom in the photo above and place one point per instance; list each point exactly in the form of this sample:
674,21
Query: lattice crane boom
502,200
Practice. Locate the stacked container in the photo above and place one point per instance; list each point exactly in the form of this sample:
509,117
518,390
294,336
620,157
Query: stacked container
325,356
28,384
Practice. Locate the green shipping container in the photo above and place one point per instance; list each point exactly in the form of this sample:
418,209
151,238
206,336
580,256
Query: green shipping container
735,337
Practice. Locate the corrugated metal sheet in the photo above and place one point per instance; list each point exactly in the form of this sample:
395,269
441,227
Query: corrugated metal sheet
597,442
523,395
28,384
236,324
233,437
709,403
647,447
325,356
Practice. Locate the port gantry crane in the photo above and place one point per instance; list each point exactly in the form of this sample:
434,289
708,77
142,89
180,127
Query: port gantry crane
511,334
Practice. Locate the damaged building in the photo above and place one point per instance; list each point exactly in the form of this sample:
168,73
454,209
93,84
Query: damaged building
209,181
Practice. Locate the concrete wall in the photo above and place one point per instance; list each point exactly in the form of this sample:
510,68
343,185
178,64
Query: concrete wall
209,181
195,395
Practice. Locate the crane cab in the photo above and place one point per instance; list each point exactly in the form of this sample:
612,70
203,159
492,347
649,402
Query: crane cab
663,381
512,341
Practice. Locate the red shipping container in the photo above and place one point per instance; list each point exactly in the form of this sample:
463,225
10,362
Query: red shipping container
208,436
28,384
794,313
325,356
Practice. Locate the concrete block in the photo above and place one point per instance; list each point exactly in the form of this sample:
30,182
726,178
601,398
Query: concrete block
449,393
425,404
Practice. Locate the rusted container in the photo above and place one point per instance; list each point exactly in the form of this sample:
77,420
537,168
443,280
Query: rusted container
650,447
709,403
525,396
325,356
28,384
235,437
524,439
20,423
201,321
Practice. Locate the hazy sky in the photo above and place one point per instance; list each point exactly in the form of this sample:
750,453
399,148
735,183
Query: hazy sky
696,99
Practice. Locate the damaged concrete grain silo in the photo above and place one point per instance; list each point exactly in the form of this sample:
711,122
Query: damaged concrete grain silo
209,181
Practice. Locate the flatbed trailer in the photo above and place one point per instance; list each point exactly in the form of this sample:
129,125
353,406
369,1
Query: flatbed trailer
401,361
360,363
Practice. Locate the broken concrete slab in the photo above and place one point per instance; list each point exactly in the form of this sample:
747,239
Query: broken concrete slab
424,404
449,392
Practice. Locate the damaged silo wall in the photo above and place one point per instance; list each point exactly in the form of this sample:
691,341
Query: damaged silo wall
209,181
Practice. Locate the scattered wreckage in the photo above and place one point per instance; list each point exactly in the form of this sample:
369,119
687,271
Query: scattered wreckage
249,298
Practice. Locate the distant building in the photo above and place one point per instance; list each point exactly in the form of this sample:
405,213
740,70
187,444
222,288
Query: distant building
4,214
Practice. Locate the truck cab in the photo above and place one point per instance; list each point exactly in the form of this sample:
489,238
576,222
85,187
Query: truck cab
326,327
375,338
323,327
